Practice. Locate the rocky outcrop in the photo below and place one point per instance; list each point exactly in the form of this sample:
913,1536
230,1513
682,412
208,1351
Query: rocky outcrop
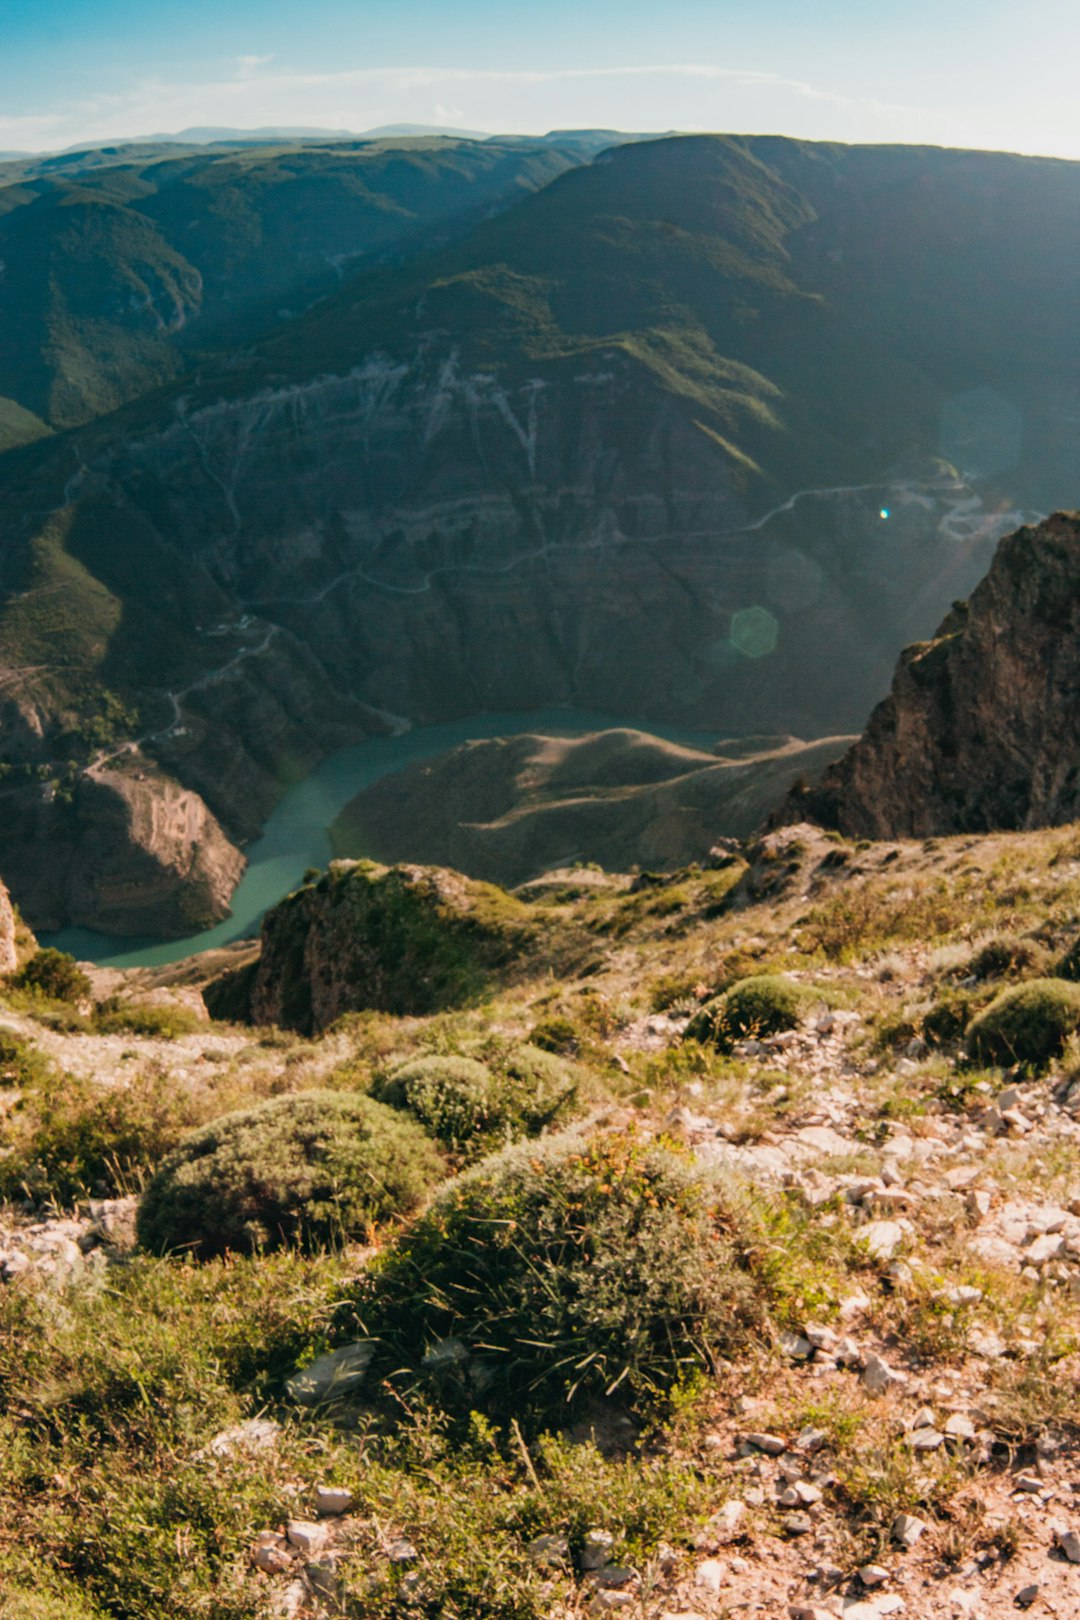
981,730
509,808
405,939
9,959
131,852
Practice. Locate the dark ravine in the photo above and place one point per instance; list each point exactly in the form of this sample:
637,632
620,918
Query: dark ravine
508,809
981,731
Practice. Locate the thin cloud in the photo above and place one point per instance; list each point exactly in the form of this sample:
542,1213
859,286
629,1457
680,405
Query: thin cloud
247,65
671,95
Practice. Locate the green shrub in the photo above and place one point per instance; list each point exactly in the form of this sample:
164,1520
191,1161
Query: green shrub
754,1007
1007,957
21,1064
117,1017
70,1137
54,975
1069,966
949,1017
1028,1024
309,1169
557,1034
563,1269
472,1106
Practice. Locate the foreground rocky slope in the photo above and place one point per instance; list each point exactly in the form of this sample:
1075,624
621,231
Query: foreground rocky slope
512,808
900,1436
982,727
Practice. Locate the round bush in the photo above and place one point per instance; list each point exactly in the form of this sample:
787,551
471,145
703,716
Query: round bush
455,1098
763,1005
54,974
561,1269
310,1169
1028,1024
473,1106
1007,957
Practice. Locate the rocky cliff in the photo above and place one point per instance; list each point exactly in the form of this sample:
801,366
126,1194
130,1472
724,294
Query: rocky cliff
405,939
981,730
510,808
130,852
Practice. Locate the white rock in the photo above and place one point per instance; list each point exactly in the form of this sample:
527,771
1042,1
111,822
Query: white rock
306,1536
907,1529
1069,1542
882,1238
878,1377
873,1575
772,1444
711,1575
257,1434
334,1376
331,1500
548,1550
596,1549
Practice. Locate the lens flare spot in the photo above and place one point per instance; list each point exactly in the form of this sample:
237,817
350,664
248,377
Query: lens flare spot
754,632
884,513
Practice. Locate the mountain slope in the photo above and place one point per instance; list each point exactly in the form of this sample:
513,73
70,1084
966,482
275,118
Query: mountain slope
981,730
122,264
510,808
701,433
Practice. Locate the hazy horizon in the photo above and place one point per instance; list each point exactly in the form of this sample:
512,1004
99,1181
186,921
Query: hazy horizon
991,75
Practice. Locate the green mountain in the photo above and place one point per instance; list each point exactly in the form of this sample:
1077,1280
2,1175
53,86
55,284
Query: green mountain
700,433
123,264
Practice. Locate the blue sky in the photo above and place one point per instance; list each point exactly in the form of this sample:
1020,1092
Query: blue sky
989,73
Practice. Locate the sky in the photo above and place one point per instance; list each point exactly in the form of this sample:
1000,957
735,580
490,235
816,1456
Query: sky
982,73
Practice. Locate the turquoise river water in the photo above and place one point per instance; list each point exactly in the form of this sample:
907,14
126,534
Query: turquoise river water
296,835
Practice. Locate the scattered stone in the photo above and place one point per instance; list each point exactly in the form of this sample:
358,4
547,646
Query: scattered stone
1026,1596
795,1347
596,1549
335,1376
256,1434
270,1552
907,1529
798,1524
800,1494
1069,1542
959,1427
925,1439
307,1537
873,1575
331,1500
1028,1482
882,1238
710,1574
878,1377
771,1444
548,1550
401,1551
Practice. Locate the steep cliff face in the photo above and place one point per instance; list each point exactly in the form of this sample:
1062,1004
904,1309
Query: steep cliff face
407,939
8,953
981,730
511,808
132,853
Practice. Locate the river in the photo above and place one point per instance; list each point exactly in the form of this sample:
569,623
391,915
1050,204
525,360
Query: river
296,835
